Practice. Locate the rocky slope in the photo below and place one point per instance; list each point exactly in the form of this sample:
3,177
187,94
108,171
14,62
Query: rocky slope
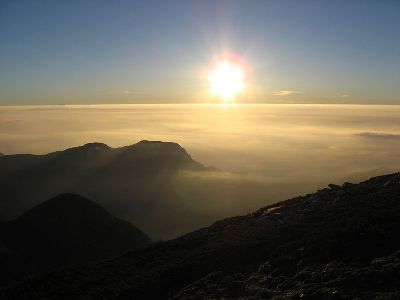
65,230
340,242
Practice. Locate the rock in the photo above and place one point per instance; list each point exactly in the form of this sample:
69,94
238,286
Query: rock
316,249
333,186
347,185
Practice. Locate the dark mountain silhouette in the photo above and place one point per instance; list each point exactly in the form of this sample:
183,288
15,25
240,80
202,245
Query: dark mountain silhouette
131,182
341,242
64,230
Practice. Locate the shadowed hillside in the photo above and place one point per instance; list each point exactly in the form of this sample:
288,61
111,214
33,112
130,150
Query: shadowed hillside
132,182
340,242
65,230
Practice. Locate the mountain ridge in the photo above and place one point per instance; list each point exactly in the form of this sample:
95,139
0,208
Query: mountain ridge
136,177
93,146
280,250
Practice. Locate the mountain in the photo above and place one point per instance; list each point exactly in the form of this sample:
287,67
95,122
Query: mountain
65,230
338,243
132,182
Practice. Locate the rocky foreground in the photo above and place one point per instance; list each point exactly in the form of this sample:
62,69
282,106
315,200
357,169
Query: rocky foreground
341,242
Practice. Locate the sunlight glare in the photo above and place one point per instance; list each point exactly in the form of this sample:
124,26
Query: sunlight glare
226,80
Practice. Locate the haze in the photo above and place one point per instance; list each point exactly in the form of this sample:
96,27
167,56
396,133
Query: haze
270,152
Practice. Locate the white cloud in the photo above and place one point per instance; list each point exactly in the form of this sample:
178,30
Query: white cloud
285,93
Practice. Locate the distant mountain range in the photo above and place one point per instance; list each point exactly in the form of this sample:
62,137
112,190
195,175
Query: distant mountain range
341,242
63,231
132,182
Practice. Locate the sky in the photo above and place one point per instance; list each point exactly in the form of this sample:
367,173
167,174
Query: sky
56,52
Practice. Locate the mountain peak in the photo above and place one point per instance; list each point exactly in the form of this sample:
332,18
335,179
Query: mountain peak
163,154
96,145
158,144
65,230
92,147
66,205
148,142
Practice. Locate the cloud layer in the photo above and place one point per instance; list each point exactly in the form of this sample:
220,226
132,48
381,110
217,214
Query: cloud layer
278,150
285,93
380,135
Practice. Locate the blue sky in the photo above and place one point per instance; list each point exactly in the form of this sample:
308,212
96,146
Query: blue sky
157,51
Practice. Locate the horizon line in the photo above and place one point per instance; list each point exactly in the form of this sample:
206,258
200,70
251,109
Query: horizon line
193,103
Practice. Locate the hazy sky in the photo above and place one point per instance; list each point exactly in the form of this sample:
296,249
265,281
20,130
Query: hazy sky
158,51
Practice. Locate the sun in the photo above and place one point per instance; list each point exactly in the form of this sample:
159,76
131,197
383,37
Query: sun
226,79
